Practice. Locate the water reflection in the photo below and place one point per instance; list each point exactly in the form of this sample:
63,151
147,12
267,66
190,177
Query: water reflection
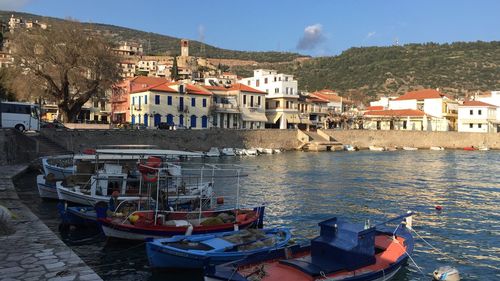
302,189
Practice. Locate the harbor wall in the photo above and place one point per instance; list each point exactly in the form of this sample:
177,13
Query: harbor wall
420,139
202,140
15,147
199,140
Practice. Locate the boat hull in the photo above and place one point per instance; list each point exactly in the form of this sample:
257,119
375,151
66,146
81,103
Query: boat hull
58,172
46,191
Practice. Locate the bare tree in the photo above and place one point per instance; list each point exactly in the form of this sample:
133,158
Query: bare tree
68,62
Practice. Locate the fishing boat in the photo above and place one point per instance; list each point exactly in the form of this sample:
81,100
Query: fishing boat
342,251
239,151
436,148
470,148
213,152
277,150
483,148
143,225
59,166
196,251
251,152
410,148
46,186
227,151
376,148
348,147
268,151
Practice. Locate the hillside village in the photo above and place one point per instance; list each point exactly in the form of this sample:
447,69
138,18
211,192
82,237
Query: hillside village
189,92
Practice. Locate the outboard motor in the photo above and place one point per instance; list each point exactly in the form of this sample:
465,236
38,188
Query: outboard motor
446,273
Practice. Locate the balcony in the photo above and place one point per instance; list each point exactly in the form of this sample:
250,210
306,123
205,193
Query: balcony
225,107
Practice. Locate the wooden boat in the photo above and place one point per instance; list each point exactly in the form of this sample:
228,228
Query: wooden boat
410,148
470,148
196,251
59,166
268,151
342,251
484,148
436,148
143,225
376,148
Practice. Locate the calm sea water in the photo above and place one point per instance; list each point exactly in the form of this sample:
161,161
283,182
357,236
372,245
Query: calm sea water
302,189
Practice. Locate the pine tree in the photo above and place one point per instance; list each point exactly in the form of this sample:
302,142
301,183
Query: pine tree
174,74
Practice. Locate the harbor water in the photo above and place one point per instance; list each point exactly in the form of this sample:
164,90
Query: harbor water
301,189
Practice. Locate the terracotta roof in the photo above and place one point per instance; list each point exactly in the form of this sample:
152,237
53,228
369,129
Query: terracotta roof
375,107
396,113
421,94
161,87
328,97
195,90
245,88
315,99
476,103
217,88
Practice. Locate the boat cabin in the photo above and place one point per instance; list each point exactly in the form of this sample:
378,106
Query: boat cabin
107,180
341,245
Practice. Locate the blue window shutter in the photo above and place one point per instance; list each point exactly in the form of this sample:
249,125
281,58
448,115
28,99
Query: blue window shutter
193,102
204,102
169,100
145,99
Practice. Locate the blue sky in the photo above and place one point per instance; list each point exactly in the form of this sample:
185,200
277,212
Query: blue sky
314,27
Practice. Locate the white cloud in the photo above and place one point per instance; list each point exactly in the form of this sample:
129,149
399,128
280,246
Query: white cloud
312,37
201,32
370,35
13,4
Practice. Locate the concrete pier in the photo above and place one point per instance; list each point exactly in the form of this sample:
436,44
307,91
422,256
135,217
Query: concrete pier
31,251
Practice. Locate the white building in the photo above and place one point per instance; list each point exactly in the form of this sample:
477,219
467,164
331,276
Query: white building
477,117
492,98
281,97
434,104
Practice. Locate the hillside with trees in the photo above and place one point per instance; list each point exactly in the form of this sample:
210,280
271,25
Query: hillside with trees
457,69
158,44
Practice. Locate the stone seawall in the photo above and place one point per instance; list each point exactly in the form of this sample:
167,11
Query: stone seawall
202,140
15,147
365,138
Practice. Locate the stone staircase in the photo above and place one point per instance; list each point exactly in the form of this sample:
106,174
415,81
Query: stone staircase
45,146
317,141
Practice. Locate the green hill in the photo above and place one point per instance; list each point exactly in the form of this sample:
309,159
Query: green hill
458,69
156,44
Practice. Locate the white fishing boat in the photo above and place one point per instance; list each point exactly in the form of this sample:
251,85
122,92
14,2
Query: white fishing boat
260,150
277,150
227,151
46,188
436,148
376,148
268,151
251,152
409,148
348,147
483,148
239,151
59,166
213,152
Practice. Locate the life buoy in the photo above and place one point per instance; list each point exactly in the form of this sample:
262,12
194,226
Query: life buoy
89,151
148,170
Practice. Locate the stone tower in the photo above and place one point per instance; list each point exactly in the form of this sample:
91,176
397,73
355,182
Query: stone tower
184,48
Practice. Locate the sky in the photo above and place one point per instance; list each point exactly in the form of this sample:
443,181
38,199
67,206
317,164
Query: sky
310,27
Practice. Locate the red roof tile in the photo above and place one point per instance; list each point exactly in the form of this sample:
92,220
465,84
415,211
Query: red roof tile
195,90
328,97
245,88
476,103
396,113
375,107
421,94
161,87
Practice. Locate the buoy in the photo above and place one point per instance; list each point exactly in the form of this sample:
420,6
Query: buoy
439,208
446,273
220,200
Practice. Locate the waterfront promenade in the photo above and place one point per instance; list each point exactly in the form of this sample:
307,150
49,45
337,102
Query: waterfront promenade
31,251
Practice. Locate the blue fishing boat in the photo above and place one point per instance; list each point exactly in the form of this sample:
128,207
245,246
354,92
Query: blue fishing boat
197,251
342,251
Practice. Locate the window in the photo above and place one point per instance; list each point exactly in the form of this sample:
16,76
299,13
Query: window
251,101
286,90
145,99
287,104
257,83
133,100
277,104
291,91
479,112
276,90
286,78
265,80
248,82
169,100
258,100
244,99
479,126
204,102
404,124
471,112
193,102
157,99
274,78
471,125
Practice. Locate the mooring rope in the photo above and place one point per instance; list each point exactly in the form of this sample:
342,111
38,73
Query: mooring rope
438,250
